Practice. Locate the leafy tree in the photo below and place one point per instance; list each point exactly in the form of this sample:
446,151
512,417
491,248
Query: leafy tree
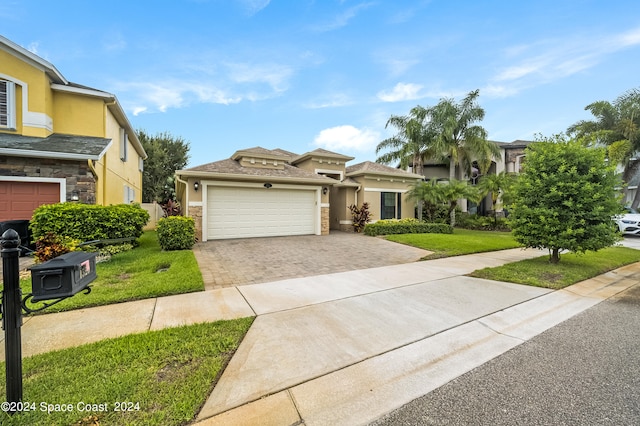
496,185
166,154
616,125
565,198
458,137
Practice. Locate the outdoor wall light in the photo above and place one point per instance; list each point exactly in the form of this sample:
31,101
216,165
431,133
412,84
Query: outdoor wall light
267,185
325,190
75,196
196,185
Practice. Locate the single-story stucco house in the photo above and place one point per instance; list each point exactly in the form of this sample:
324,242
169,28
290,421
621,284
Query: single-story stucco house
262,192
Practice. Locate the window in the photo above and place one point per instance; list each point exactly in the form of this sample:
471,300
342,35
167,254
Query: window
129,194
390,205
7,105
124,141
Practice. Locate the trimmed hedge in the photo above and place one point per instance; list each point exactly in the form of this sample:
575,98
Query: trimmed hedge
86,222
406,226
176,233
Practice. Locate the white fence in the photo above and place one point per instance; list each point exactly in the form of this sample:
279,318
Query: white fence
155,214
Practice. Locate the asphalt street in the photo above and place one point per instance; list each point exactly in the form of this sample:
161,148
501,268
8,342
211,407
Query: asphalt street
585,371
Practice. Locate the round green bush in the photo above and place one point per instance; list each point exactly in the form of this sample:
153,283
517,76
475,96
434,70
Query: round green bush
176,233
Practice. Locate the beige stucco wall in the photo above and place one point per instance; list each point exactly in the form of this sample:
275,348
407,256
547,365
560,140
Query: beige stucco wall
373,187
320,166
340,215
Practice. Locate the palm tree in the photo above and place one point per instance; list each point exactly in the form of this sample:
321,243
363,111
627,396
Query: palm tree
617,126
453,191
458,137
428,195
497,186
410,145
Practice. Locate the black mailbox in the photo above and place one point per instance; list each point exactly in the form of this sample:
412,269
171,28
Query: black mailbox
63,276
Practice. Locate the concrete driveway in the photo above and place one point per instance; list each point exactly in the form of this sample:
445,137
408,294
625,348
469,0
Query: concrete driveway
227,263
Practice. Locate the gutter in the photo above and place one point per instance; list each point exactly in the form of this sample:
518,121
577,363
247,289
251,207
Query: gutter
185,205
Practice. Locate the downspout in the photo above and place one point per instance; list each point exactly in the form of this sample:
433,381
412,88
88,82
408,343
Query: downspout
95,176
185,205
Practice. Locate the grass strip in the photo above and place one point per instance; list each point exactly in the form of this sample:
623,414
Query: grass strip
462,241
572,268
141,273
164,377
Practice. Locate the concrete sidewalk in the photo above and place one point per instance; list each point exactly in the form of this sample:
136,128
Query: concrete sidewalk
348,347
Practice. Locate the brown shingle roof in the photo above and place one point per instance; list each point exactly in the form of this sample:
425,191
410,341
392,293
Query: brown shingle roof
376,168
233,167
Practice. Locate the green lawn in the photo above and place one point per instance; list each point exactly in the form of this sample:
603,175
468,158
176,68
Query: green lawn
462,241
164,377
144,272
572,268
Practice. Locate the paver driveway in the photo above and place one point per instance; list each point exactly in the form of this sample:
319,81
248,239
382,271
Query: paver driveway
226,263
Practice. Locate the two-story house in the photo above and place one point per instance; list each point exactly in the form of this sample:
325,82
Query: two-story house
61,141
512,157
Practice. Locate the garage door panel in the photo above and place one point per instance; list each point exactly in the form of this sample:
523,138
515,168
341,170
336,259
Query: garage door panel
260,212
20,199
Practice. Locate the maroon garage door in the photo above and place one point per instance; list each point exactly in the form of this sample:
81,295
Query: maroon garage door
18,200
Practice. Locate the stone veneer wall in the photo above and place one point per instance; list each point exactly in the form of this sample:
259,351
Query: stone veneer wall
196,213
324,220
77,173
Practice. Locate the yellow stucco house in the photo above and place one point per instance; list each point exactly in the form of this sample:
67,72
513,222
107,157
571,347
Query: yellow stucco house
262,192
61,141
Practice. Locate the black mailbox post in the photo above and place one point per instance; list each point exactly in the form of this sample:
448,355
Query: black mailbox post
63,276
57,279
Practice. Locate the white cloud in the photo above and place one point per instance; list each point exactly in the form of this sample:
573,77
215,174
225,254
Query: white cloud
33,47
274,75
229,84
333,101
142,97
347,138
499,91
630,38
138,110
114,42
401,92
549,60
254,6
342,19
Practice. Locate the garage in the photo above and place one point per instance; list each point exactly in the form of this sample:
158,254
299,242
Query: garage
244,212
18,200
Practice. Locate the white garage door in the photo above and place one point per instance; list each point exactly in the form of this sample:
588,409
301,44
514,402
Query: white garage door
236,212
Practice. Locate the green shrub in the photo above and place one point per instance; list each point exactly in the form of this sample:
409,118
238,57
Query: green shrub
482,223
176,233
85,222
406,226
50,246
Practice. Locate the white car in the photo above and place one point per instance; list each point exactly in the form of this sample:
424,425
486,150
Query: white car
629,223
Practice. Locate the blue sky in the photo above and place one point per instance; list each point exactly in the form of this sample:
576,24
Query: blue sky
303,74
